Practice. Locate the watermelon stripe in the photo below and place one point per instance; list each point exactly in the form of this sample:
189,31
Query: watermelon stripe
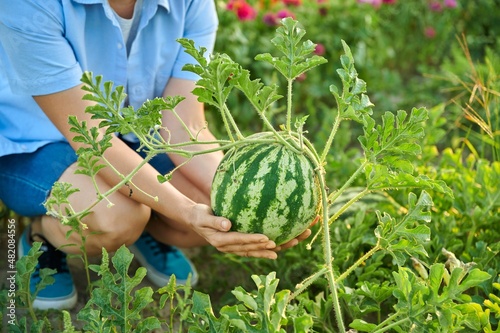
269,202
265,188
248,197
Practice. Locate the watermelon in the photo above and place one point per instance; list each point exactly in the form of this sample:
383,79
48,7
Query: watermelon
266,188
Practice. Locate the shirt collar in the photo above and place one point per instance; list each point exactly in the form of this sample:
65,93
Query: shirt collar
163,3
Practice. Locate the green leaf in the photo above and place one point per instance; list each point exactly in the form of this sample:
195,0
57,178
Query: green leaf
474,278
396,141
207,322
201,303
259,95
362,326
148,325
471,315
247,299
296,58
116,302
436,273
406,236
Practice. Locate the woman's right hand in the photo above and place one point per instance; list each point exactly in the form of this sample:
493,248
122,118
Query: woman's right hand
215,230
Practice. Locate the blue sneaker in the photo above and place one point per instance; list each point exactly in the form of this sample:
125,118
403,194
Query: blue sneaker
62,293
162,261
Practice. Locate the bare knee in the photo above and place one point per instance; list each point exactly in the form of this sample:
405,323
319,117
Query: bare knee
120,227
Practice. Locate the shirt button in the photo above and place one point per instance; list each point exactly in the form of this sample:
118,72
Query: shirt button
119,46
23,147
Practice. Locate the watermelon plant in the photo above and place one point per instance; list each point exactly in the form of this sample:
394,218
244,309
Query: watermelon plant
275,182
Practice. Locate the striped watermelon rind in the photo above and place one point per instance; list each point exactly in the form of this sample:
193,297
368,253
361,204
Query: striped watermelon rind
266,188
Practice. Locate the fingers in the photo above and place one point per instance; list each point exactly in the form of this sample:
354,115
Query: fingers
258,254
246,245
294,241
232,241
215,230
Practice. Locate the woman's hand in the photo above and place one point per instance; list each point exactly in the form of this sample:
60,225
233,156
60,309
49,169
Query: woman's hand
215,230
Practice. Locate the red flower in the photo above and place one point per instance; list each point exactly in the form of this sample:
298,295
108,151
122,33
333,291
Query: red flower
430,32
292,2
320,49
243,9
285,13
450,3
435,6
270,19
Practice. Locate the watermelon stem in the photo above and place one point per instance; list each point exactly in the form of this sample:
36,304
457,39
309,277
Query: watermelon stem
289,106
228,120
328,252
347,204
360,261
332,134
302,286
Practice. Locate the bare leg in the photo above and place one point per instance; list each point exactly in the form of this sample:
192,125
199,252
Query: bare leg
111,227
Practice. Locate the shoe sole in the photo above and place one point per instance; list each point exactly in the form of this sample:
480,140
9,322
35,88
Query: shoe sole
158,278
59,303
63,303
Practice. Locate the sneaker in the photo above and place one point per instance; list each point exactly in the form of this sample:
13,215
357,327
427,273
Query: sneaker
162,261
62,293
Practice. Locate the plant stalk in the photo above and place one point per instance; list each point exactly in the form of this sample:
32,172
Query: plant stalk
328,255
394,324
289,106
347,205
358,262
329,142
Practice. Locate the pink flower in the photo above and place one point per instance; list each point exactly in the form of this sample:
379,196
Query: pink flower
292,2
430,32
450,3
243,9
301,77
374,3
435,6
270,19
389,2
285,13
320,49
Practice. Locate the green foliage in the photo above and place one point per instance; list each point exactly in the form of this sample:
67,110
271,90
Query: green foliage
114,303
432,302
24,268
261,312
406,236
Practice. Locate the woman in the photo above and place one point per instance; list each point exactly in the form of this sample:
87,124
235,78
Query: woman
46,45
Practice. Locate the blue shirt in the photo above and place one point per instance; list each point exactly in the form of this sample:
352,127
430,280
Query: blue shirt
45,45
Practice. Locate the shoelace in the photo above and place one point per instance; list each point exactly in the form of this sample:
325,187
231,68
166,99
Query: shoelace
159,249
50,258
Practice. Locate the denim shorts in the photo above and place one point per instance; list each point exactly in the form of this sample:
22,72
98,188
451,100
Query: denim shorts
26,179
